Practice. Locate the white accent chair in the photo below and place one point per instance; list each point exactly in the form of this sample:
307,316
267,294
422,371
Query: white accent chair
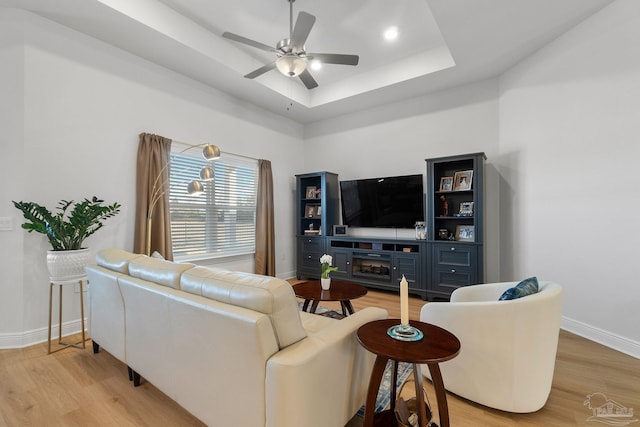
508,348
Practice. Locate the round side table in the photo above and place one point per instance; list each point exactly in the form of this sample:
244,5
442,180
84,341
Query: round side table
438,345
342,291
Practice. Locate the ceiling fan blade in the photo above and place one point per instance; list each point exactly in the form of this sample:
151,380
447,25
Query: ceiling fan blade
301,31
308,79
261,70
252,43
335,58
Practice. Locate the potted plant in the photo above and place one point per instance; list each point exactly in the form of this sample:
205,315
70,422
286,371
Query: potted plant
66,231
325,280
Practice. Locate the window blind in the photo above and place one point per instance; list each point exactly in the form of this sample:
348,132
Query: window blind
221,221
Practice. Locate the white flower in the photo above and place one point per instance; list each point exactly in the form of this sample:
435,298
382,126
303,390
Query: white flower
326,259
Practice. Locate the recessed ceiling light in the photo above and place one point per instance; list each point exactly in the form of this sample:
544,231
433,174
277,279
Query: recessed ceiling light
316,65
391,33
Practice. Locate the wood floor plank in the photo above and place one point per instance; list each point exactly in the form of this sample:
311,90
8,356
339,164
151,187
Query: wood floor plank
75,387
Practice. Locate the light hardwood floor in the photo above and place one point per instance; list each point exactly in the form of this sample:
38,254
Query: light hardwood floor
75,387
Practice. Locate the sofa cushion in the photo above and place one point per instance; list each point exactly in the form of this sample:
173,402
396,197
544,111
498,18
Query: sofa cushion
268,295
156,270
116,259
528,286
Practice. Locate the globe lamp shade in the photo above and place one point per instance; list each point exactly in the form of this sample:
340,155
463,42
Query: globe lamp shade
291,65
195,188
211,152
206,174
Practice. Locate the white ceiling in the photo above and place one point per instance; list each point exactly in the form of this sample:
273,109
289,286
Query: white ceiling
442,43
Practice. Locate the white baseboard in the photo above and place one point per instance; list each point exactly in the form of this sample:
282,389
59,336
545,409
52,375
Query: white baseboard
608,339
286,275
36,336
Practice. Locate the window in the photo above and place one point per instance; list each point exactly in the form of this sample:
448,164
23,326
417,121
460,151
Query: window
221,221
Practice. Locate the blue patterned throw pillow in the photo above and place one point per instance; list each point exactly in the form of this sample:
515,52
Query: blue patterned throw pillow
526,287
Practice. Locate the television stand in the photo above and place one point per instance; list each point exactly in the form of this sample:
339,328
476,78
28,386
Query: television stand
380,263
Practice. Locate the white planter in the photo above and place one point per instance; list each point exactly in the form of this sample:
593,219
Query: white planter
325,283
67,265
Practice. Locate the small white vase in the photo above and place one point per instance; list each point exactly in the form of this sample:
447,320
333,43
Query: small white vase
325,283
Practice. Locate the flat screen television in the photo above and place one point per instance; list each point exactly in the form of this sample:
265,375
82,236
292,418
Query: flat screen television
395,201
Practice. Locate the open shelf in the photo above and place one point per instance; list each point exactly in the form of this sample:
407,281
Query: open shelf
455,222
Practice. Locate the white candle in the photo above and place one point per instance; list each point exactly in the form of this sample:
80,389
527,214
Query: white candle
404,302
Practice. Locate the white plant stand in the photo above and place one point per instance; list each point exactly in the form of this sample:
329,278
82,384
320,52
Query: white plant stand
60,284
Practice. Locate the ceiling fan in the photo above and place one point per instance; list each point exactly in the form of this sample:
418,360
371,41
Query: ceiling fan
291,56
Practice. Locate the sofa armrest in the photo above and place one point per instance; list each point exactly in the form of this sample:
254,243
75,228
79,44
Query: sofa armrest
321,380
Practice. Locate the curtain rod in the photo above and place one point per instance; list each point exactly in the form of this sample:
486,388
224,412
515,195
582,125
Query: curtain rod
223,152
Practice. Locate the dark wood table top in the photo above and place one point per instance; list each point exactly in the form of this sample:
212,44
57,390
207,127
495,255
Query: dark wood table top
340,291
438,345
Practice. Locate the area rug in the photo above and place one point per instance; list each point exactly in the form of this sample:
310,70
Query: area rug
384,392
324,311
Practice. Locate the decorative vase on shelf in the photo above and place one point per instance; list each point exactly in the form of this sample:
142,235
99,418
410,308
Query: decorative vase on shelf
325,283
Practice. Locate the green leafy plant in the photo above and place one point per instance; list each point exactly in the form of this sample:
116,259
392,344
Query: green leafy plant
67,229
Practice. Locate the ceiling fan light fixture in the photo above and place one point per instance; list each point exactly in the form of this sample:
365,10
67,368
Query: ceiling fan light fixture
291,56
291,65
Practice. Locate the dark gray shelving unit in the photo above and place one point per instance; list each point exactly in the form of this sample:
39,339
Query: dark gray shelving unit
458,262
317,211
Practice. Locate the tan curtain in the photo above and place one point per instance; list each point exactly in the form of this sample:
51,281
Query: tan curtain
153,160
265,260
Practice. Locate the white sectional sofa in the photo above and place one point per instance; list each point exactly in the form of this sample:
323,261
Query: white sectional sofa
231,348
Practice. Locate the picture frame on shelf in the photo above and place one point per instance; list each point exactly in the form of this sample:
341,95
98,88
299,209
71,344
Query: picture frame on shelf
309,210
466,209
462,180
340,230
446,183
465,233
310,192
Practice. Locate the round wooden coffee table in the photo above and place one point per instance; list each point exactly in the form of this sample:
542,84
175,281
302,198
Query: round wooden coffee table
342,291
438,345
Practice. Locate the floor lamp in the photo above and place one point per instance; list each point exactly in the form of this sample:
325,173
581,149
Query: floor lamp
160,186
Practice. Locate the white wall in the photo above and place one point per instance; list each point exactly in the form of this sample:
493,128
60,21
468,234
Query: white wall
84,105
396,139
569,151
11,166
